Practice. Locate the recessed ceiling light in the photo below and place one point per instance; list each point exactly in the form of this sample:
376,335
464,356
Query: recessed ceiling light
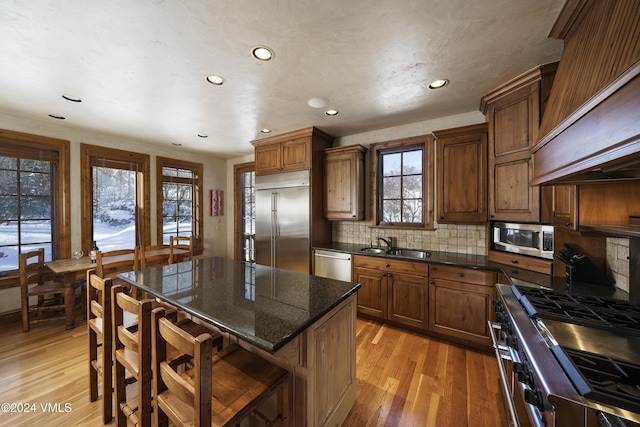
439,83
203,135
265,130
177,144
57,117
215,79
72,98
263,53
331,112
317,102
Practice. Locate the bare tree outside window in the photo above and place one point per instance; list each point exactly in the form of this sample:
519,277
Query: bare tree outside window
402,190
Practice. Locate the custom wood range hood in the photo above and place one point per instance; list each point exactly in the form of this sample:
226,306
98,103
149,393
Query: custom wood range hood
590,130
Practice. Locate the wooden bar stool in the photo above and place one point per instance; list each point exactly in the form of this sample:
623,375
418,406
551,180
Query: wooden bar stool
132,354
99,331
99,327
220,389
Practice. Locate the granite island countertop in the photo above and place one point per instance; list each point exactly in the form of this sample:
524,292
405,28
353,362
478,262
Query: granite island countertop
516,275
264,306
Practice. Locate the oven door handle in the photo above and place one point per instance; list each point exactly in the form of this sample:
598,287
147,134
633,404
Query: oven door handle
499,350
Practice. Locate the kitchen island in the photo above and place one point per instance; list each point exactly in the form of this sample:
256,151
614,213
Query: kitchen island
305,324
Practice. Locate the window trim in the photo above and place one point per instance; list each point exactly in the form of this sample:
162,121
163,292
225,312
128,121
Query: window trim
62,201
237,217
376,149
198,194
143,202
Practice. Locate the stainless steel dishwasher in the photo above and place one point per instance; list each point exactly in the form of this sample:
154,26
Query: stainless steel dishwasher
333,265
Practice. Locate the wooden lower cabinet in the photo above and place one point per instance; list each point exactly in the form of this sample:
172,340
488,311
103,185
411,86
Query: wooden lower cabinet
392,290
460,304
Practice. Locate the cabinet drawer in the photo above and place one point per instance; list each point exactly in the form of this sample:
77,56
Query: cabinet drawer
466,275
417,268
528,263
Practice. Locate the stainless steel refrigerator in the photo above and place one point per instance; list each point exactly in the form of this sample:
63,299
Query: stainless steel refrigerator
283,220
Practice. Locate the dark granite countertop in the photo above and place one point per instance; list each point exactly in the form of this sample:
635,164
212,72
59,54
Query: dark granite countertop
264,306
517,276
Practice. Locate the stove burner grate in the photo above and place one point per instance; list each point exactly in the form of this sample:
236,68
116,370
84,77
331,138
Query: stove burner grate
590,311
602,379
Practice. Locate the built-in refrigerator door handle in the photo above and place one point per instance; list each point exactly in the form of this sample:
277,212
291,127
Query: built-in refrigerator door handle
274,225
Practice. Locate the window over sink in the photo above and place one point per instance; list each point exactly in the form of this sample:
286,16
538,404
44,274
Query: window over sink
403,184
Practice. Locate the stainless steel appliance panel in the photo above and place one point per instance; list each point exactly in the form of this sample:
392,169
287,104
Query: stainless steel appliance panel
526,239
282,221
332,265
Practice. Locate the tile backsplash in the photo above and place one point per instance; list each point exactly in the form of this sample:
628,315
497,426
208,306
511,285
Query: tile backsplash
464,239
618,261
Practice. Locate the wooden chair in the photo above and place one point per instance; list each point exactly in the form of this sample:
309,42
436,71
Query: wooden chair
182,243
154,255
109,264
50,294
220,389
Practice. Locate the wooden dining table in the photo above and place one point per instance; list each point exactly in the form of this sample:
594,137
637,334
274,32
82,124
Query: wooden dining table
72,269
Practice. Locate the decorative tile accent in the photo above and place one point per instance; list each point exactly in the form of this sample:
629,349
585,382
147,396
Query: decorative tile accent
618,261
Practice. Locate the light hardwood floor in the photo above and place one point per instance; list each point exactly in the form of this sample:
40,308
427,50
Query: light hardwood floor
404,379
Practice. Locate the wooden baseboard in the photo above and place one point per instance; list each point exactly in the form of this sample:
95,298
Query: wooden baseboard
10,316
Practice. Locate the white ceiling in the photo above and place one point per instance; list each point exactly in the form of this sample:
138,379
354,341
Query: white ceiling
139,66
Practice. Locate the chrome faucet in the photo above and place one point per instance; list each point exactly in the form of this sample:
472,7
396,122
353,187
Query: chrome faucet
388,241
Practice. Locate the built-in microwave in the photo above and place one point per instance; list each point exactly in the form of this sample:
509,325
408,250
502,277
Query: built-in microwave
526,239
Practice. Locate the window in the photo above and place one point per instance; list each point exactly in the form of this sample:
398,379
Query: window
180,207
245,217
115,194
33,190
404,183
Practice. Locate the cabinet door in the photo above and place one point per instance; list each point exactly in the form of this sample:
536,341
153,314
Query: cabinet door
372,296
565,206
296,154
460,310
408,299
513,123
267,159
510,196
340,189
344,183
462,178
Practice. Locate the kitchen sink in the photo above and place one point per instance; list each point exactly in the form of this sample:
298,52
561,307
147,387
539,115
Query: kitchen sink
371,250
409,253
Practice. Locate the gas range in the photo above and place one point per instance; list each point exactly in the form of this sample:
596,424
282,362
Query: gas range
573,359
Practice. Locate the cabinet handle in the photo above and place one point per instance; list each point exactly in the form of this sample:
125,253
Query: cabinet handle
390,275
568,224
514,261
388,265
460,275
353,216
432,282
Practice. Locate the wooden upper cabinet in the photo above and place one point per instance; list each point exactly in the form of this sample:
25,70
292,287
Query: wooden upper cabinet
268,159
291,151
296,154
565,208
513,114
283,157
344,183
461,185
